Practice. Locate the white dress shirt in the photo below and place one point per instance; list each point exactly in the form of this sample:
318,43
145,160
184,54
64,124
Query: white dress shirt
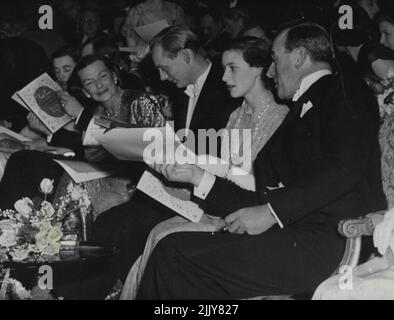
193,91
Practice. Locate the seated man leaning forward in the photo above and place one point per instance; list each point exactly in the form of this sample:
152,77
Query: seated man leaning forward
321,166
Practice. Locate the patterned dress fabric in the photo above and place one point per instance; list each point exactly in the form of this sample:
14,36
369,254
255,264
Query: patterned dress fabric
138,108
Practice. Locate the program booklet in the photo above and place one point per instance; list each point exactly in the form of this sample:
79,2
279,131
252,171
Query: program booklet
41,98
11,141
81,171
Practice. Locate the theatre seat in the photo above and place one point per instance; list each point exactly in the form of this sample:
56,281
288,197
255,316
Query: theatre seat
354,230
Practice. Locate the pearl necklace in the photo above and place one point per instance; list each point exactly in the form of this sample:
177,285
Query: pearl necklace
255,125
116,112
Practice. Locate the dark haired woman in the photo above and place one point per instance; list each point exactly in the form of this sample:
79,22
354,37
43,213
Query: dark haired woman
100,82
245,64
64,61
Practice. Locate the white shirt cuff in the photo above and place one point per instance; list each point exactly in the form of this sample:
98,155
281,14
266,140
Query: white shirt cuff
205,186
275,216
49,138
79,116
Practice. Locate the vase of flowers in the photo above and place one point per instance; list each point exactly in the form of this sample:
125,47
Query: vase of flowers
36,231
36,228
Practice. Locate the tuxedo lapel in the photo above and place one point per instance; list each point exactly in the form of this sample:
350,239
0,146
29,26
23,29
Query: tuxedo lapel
273,165
313,93
181,111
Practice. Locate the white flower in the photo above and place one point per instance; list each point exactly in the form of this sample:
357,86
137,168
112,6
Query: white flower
85,201
8,233
55,234
44,227
76,194
7,225
24,207
41,241
70,187
47,209
20,254
46,186
8,238
51,249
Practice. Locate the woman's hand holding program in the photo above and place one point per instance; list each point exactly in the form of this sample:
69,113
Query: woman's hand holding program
184,173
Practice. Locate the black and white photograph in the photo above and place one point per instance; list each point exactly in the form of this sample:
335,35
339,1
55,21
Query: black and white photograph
276,182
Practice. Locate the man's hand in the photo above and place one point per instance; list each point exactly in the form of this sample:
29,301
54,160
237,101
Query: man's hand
70,104
253,220
185,173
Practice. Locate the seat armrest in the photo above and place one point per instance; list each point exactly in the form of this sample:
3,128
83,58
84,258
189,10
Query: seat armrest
353,230
364,226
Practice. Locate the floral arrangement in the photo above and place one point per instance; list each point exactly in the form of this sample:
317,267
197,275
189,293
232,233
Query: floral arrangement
35,228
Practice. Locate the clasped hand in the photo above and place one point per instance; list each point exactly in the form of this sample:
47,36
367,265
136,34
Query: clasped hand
252,220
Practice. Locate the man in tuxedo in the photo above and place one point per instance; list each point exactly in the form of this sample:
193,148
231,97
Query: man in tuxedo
321,166
180,58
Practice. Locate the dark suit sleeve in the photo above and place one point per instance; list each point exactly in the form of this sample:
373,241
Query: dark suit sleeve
226,197
348,138
68,139
84,119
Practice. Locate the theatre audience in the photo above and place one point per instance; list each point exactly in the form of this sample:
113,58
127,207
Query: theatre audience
215,37
91,24
319,165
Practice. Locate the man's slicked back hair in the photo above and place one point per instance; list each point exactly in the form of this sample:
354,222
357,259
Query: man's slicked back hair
176,38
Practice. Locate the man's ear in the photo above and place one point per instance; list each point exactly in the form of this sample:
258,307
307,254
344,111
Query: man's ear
299,57
186,55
